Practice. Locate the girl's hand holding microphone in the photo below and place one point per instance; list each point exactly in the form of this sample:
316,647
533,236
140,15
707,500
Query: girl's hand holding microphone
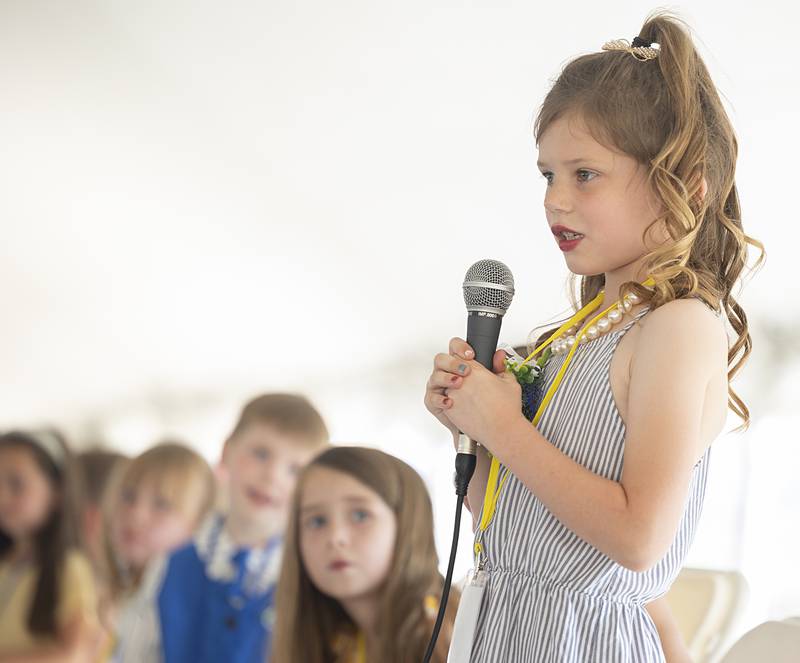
466,397
449,371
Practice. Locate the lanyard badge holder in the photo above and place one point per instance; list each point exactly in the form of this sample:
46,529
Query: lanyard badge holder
466,622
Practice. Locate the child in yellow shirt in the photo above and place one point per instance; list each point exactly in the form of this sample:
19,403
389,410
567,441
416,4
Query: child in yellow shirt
48,606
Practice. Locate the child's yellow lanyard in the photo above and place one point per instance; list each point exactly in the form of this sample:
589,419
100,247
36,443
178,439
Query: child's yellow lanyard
431,604
492,487
361,648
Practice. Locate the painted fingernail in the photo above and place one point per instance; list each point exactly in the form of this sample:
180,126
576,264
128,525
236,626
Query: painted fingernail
462,368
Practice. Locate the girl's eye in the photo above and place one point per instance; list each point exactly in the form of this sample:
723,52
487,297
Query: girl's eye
261,453
315,522
359,515
162,504
586,175
17,485
548,176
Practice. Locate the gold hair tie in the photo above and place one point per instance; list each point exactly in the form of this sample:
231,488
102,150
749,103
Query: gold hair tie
639,49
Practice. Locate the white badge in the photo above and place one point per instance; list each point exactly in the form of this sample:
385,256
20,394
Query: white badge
469,607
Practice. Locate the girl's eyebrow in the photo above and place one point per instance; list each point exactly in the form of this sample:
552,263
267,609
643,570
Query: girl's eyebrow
570,162
320,505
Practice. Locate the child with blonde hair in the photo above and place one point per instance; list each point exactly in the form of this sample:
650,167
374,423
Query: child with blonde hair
360,579
154,506
587,498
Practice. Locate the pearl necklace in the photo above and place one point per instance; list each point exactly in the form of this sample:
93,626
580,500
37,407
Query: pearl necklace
563,344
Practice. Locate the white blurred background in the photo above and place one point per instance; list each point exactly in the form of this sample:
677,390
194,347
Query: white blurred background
201,201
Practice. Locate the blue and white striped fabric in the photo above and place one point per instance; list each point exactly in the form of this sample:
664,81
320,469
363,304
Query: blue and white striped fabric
551,596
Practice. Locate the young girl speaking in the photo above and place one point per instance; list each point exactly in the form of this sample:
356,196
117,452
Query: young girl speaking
586,511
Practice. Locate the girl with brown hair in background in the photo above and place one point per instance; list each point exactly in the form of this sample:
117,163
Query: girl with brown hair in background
360,579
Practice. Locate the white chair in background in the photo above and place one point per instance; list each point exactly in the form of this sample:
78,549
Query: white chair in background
706,605
770,642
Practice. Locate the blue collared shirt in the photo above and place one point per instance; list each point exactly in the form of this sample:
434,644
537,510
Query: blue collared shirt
215,604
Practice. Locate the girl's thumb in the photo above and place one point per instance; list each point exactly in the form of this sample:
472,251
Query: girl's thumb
499,361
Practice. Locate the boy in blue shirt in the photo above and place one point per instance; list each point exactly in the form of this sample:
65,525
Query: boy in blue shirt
216,596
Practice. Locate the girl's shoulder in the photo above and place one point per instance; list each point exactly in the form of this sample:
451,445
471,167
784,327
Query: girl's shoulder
78,590
682,318
685,331
78,572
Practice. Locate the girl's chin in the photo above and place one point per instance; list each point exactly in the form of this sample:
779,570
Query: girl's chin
580,268
578,271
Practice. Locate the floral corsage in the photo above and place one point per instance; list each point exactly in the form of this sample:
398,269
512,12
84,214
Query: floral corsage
528,375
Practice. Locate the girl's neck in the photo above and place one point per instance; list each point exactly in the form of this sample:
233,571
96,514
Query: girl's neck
614,280
363,611
246,534
22,550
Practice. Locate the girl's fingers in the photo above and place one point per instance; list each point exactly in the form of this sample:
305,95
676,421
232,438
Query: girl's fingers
442,401
434,401
444,380
460,348
450,364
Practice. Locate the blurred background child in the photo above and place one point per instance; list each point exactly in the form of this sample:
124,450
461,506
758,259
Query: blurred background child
96,467
215,603
360,579
48,606
154,506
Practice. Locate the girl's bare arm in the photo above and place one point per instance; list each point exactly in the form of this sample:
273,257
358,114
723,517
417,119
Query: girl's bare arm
675,650
679,362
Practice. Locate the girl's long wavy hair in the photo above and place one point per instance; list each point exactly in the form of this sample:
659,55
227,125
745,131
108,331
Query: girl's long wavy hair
309,622
667,114
58,536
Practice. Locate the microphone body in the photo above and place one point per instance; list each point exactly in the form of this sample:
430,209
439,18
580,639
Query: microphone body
483,332
488,290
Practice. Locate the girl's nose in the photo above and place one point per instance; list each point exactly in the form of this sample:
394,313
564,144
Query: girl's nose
556,199
135,512
339,535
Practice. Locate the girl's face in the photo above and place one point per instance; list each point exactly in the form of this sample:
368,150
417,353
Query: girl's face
146,523
598,193
26,493
347,535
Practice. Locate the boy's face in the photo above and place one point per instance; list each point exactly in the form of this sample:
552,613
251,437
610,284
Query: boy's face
262,466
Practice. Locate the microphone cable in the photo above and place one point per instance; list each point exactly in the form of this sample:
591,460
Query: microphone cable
465,468
488,289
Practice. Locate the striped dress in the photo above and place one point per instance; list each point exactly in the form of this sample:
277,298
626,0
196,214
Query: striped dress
551,596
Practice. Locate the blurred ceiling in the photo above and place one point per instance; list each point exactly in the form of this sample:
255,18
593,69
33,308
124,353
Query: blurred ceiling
214,196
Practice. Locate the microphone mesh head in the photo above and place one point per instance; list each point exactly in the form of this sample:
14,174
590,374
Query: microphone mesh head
488,286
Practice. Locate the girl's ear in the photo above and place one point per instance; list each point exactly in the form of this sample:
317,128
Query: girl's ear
703,188
226,452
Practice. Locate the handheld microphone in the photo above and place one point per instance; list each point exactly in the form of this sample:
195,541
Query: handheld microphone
488,291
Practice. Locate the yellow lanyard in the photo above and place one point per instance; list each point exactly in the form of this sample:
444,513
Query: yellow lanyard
361,648
431,604
492,488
